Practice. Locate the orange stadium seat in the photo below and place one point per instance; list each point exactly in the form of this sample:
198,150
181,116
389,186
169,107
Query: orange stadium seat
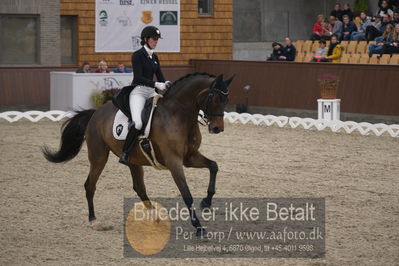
354,59
351,48
308,57
299,45
306,46
394,59
315,46
361,47
299,57
364,59
385,58
344,45
374,59
345,58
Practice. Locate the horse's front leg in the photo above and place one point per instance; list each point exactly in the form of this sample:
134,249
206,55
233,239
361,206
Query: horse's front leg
176,169
197,160
138,184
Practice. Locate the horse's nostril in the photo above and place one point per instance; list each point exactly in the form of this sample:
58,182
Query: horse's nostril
216,130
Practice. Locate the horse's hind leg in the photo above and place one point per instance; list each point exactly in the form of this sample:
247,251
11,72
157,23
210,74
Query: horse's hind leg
98,157
197,160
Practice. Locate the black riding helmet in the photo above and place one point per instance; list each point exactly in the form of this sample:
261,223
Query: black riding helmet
150,32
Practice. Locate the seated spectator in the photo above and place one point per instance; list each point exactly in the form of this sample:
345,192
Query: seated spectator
387,38
392,48
357,21
337,12
336,27
289,51
334,52
102,67
277,52
318,30
320,52
374,29
347,11
385,9
395,20
85,68
122,69
327,28
360,34
347,28
385,21
390,2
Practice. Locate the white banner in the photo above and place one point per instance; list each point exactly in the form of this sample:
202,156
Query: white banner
119,24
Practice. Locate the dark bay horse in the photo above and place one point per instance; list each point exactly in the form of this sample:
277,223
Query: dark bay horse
175,136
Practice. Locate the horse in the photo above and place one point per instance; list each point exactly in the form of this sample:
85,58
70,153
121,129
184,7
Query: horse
175,136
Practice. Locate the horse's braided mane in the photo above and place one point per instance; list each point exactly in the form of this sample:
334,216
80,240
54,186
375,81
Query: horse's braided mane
194,74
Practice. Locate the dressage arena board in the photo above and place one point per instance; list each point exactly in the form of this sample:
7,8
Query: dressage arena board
44,211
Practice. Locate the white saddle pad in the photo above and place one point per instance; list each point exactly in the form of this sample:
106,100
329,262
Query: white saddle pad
121,123
120,126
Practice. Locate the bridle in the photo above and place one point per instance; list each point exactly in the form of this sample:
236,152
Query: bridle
204,99
208,99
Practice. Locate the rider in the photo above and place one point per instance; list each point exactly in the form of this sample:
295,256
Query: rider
145,64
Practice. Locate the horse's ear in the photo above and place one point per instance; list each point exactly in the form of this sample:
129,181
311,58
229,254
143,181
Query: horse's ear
229,80
219,78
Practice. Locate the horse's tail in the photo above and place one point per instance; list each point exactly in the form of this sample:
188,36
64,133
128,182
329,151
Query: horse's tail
73,131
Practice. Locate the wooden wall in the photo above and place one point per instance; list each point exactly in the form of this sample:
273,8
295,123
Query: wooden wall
201,37
365,89
30,86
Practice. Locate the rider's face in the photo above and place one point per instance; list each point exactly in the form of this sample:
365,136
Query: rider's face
152,42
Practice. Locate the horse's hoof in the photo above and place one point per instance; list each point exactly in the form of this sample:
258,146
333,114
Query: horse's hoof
201,232
205,203
99,226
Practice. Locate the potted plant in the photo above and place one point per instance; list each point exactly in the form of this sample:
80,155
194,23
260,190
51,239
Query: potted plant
99,98
328,86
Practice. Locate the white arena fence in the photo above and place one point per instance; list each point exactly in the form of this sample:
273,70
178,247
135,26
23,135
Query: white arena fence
244,118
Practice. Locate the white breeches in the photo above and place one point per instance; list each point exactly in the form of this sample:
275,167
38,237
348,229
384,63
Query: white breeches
137,100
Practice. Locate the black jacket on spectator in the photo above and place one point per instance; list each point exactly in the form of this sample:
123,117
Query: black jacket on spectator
337,14
276,54
384,25
391,3
289,52
350,27
349,13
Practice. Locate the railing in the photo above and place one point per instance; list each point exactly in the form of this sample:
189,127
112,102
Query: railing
257,119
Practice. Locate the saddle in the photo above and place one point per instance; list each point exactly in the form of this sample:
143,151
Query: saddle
123,120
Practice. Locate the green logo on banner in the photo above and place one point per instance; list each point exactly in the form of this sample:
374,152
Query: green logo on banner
168,17
103,18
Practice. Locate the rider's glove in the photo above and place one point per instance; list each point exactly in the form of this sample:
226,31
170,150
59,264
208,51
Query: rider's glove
160,86
168,84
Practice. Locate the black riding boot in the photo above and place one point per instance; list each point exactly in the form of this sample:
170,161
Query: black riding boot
129,142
